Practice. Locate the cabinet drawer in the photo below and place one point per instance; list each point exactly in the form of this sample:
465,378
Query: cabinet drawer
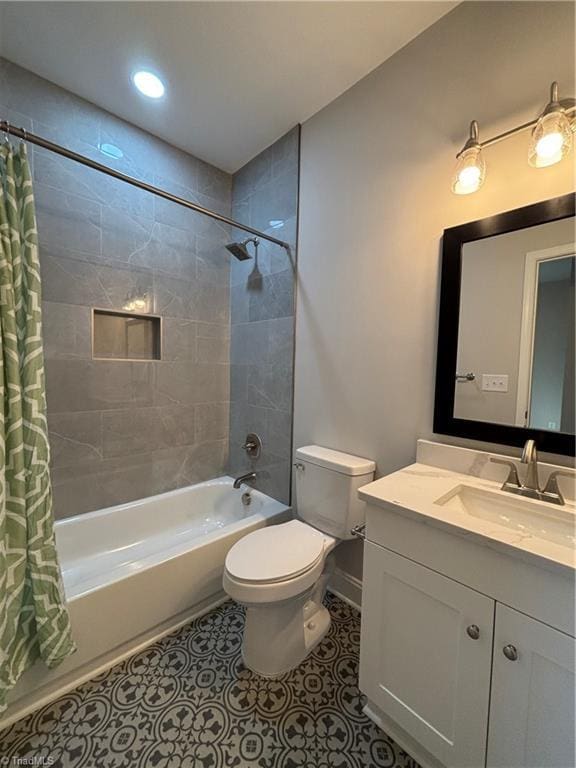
421,662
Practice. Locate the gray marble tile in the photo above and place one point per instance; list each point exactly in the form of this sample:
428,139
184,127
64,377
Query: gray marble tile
270,386
213,350
276,299
73,281
279,433
214,183
88,385
203,461
239,304
179,339
276,200
47,103
280,341
212,421
124,236
250,343
70,177
67,222
239,383
168,250
174,297
75,438
213,330
285,153
253,176
141,430
66,331
274,481
190,383
212,303
212,261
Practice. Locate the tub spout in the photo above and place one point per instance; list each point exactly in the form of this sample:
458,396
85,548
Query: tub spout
244,479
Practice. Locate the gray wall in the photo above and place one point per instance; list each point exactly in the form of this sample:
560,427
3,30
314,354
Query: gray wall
123,430
262,315
375,198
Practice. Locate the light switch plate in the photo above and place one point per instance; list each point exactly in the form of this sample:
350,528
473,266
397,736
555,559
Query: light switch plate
495,382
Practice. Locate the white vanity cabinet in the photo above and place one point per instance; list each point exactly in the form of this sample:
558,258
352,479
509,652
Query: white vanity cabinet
532,700
450,670
426,655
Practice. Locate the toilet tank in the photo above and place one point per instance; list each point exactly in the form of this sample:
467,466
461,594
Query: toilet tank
327,482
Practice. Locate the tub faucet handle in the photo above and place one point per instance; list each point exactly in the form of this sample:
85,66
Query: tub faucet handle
252,445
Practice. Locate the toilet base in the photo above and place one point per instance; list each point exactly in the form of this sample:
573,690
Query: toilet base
278,636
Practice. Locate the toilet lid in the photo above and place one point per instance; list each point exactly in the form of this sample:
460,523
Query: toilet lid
276,553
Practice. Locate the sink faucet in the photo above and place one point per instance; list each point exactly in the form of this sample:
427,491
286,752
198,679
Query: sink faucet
531,485
244,479
530,457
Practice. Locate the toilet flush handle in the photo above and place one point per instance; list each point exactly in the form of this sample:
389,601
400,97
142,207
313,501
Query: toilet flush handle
359,531
299,466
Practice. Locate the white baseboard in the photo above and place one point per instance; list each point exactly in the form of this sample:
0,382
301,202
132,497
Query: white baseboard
347,588
38,699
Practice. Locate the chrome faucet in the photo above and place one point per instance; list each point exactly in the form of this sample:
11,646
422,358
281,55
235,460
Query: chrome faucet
531,485
248,477
530,457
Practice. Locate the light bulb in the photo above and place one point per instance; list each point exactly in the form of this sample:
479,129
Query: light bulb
549,146
470,168
149,84
552,136
470,172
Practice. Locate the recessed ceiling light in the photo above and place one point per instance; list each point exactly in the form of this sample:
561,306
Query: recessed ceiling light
149,84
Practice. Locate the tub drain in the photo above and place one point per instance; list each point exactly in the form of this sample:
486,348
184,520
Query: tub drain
246,499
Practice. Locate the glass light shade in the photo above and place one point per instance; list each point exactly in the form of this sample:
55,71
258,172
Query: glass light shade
551,139
470,171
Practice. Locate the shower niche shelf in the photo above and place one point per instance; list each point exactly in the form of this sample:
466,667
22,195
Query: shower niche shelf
122,335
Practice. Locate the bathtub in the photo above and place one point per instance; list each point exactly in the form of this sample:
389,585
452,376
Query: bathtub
135,572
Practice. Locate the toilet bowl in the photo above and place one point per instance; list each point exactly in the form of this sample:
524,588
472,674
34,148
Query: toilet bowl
280,572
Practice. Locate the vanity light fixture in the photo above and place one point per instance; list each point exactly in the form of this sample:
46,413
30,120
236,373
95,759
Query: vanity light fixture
470,166
551,137
550,141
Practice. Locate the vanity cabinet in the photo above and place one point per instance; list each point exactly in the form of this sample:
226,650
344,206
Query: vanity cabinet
532,700
426,655
457,678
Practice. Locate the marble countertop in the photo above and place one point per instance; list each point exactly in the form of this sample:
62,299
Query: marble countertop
416,489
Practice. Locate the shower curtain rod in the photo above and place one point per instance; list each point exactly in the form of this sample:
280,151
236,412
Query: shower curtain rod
21,133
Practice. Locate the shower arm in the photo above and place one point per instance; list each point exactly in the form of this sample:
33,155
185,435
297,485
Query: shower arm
32,138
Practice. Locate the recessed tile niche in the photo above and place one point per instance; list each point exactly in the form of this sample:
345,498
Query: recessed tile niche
125,336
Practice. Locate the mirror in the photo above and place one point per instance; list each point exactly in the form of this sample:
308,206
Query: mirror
506,366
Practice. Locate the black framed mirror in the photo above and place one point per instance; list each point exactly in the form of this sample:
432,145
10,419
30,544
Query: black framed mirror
505,362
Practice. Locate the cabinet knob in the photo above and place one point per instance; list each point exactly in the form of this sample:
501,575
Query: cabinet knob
473,631
510,652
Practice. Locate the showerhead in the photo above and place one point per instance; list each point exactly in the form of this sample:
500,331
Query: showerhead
240,251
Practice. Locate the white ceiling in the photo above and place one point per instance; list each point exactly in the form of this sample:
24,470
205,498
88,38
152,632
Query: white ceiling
238,74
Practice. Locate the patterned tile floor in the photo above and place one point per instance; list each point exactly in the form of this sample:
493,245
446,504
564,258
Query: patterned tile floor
188,702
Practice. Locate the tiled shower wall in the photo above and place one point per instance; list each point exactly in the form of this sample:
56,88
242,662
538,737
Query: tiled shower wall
125,430
265,195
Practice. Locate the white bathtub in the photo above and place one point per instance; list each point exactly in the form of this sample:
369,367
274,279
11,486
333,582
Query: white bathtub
135,572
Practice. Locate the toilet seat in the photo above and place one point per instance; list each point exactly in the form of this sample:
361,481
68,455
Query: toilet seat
276,553
276,563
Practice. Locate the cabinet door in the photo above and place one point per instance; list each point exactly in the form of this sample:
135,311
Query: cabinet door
418,662
532,704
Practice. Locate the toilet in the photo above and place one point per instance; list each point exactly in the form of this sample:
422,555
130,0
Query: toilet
280,572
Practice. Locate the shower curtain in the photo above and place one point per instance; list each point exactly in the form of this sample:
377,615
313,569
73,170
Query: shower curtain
34,621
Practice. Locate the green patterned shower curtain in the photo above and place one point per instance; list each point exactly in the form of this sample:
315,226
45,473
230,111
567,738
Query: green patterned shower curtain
34,621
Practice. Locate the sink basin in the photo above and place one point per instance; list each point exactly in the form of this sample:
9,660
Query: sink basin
525,516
